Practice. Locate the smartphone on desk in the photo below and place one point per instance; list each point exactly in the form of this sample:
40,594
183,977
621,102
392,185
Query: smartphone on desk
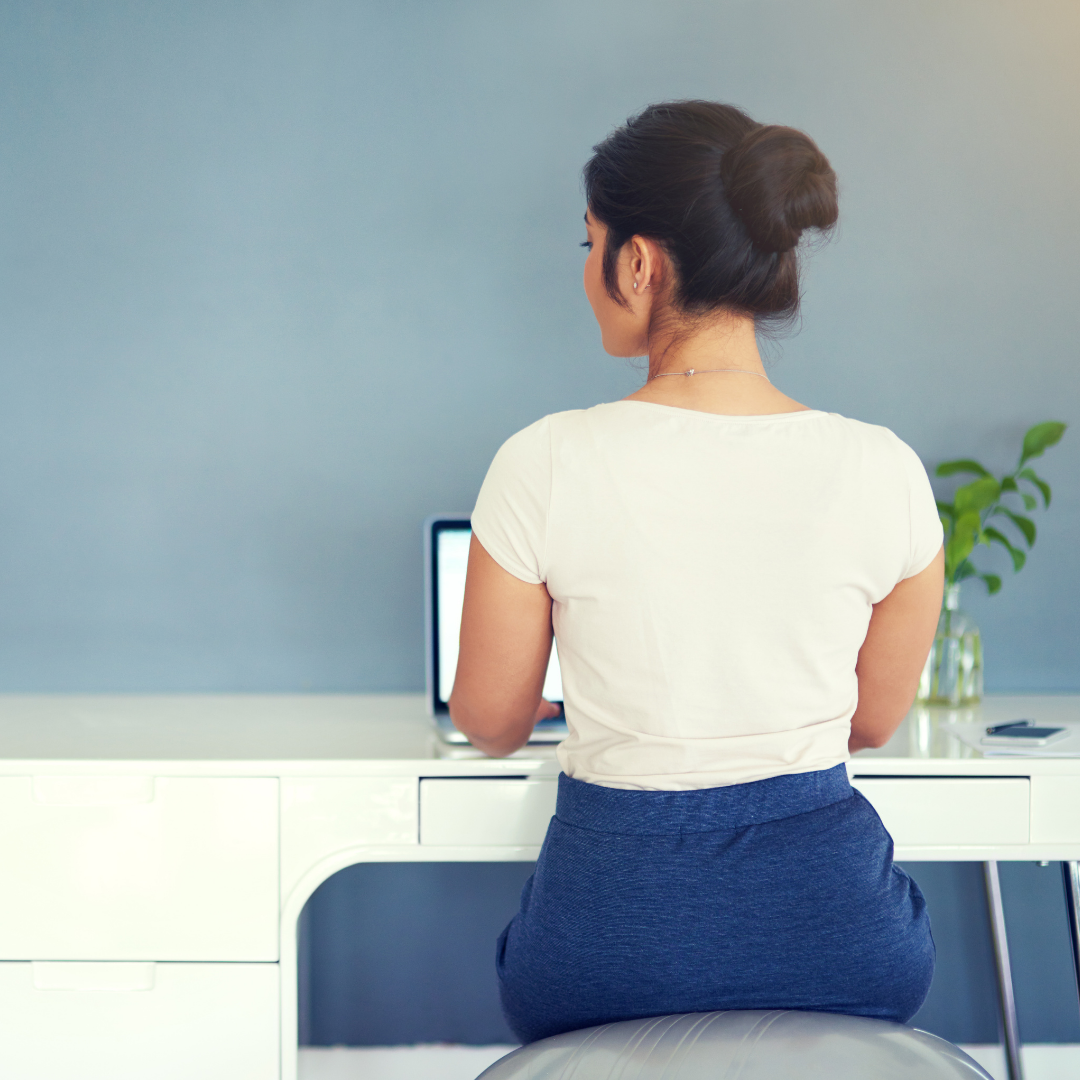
1022,733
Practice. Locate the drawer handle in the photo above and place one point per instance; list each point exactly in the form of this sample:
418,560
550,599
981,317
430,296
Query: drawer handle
93,790
64,975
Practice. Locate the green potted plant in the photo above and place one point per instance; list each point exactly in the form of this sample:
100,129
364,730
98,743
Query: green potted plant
954,669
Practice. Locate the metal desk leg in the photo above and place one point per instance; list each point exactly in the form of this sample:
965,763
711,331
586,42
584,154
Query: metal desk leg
1009,1029
1070,874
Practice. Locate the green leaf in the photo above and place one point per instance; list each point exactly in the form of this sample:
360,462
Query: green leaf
1024,524
964,465
1030,502
1008,484
1018,557
977,495
1042,485
962,541
993,583
968,524
1040,437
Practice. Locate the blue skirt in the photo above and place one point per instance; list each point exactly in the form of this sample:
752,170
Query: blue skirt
777,894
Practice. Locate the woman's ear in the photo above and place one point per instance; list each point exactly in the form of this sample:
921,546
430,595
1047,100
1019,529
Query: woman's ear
647,262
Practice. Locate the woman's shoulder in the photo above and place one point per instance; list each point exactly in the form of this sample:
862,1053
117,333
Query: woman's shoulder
881,445
528,451
538,435
862,431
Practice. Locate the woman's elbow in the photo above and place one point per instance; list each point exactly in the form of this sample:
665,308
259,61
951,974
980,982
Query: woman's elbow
491,734
867,741
496,748
872,736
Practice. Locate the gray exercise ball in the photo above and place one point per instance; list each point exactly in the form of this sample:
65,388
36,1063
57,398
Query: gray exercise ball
740,1046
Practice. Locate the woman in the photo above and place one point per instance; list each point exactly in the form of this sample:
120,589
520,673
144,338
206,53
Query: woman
742,589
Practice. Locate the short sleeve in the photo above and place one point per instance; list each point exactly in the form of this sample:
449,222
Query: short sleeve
927,534
510,518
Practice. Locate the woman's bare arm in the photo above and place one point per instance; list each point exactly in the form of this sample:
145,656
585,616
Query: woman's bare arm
892,656
505,647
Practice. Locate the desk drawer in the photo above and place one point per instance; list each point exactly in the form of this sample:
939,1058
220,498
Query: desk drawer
470,812
138,868
951,811
136,1021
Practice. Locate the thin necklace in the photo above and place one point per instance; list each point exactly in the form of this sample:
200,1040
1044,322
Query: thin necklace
706,371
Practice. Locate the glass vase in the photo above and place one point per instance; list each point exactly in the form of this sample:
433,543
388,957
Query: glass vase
953,674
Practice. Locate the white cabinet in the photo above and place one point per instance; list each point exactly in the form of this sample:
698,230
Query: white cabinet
139,1021
929,812
138,868
470,812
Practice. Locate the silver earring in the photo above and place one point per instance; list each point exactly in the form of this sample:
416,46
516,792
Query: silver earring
635,284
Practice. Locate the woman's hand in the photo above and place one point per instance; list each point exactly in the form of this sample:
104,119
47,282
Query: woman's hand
892,657
505,648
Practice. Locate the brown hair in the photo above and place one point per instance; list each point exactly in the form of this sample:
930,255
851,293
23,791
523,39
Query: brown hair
726,197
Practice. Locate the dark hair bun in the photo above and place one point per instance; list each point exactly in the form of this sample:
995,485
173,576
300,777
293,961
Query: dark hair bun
727,198
779,183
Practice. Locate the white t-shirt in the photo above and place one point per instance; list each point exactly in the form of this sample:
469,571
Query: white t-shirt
712,579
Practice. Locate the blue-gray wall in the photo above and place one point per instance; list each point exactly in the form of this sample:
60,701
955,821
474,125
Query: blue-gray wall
279,277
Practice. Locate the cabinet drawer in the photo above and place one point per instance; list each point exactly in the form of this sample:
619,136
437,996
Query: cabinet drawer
928,812
478,812
134,1021
138,868
1055,810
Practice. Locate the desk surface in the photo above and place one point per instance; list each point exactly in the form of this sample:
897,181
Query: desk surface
390,734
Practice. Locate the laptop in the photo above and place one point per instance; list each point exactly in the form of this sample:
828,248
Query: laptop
446,556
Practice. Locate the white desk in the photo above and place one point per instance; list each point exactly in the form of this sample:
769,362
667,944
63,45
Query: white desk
157,852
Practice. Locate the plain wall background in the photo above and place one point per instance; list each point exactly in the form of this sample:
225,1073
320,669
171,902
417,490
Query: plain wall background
278,278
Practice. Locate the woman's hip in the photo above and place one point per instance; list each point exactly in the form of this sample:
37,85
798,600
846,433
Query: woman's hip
734,860
736,908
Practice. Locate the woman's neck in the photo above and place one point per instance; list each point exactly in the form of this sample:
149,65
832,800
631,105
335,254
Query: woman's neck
727,342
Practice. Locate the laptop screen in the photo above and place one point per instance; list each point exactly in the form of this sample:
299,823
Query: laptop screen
449,556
